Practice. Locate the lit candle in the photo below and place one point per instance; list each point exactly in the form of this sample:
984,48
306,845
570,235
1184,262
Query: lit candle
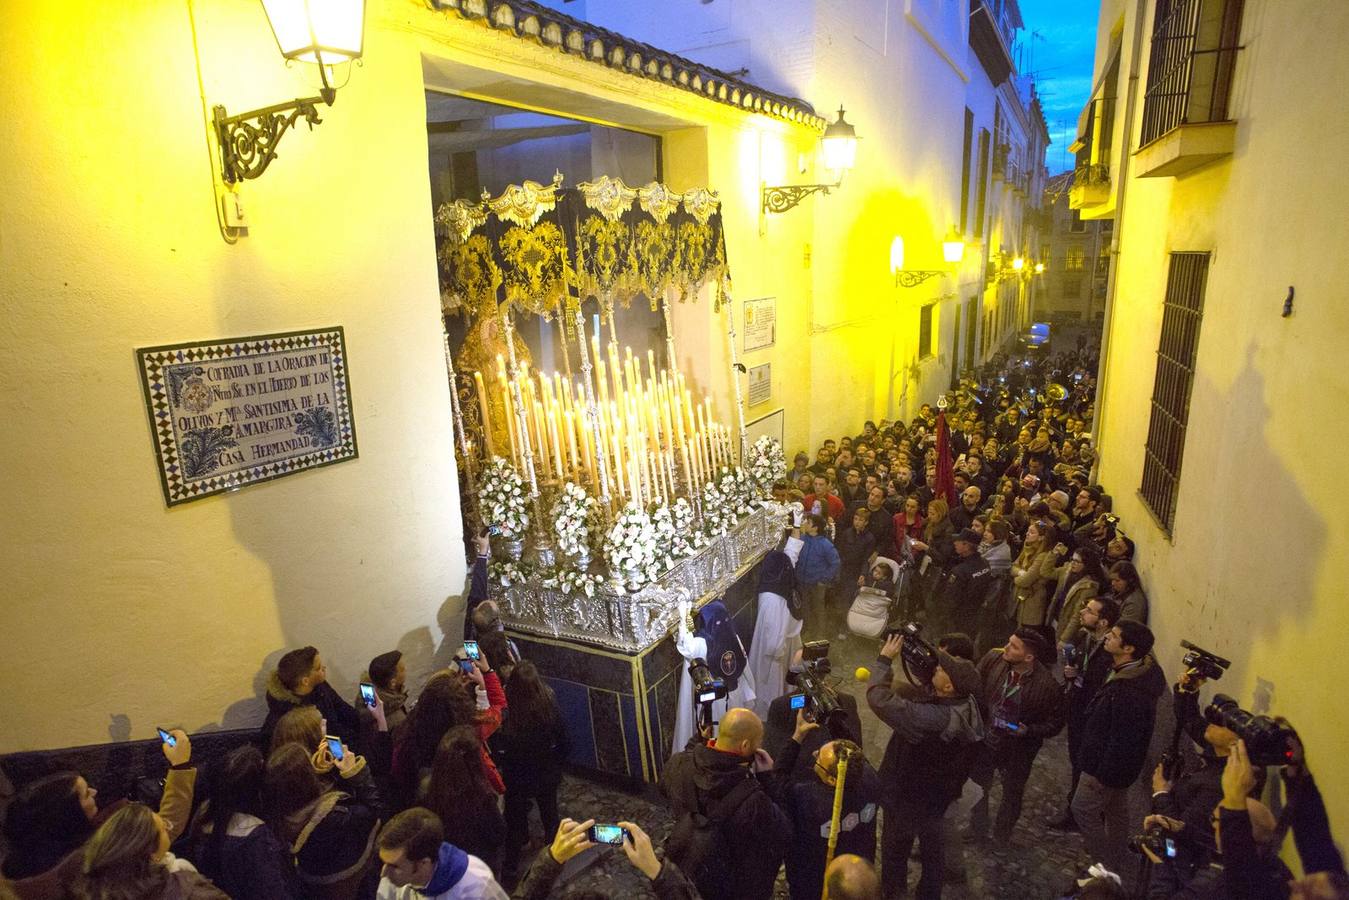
651,364
486,419
688,470
556,441
570,423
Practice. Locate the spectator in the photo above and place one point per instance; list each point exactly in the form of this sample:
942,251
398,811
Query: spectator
330,832
851,877
1025,706
500,651
460,793
963,515
530,749
389,675
926,762
800,467
879,522
234,846
809,803
938,534
477,588
301,679
1079,580
128,856
959,591
726,781
1127,590
1032,572
821,501
668,881
908,523
816,569
450,698
1116,732
824,460
994,548
419,863
856,545
50,820
851,491
1082,679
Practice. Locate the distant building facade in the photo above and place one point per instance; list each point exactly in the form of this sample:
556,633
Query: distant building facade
1076,256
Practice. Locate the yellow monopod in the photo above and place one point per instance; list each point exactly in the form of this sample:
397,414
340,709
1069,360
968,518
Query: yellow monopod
836,818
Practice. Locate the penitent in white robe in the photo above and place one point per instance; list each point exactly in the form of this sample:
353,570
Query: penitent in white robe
777,637
692,647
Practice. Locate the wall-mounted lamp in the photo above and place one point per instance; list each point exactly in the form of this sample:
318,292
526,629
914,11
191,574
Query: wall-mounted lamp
1001,267
1039,268
839,147
323,33
953,250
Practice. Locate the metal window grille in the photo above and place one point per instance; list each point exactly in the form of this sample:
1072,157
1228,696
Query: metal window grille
1194,46
1176,351
925,331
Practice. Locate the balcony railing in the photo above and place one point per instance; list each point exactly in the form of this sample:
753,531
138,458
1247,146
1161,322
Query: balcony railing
1096,131
1194,48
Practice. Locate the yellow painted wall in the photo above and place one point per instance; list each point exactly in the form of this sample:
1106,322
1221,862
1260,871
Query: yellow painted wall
1259,559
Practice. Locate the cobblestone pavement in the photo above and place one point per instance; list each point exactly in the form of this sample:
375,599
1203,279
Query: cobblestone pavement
1039,863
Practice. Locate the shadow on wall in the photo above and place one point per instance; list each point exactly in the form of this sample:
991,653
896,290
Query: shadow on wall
1248,592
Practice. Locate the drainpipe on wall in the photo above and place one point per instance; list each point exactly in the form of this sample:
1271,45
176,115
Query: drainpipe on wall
1130,107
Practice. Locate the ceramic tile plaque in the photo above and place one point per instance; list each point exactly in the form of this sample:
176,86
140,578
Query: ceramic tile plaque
230,413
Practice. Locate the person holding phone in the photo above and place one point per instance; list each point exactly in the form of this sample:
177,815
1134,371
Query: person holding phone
301,679
477,588
668,881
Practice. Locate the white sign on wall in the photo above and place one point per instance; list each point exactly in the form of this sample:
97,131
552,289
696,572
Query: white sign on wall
761,323
760,384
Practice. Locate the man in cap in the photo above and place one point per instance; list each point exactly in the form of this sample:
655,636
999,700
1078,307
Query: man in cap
936,732
960,589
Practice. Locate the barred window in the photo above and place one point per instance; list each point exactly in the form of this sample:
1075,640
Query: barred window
925,348
1194,48
1176,350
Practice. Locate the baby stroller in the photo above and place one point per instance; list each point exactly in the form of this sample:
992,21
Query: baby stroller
872,609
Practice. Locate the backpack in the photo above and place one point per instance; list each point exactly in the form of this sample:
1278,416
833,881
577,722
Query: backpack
697,843
725,655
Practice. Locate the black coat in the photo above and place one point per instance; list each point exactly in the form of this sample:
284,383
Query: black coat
1117,724
1093,670
781,722
959,591
854,550
248,863
531,760
757,833
340,715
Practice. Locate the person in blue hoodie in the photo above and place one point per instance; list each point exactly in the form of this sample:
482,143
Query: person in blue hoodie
816,569
419,864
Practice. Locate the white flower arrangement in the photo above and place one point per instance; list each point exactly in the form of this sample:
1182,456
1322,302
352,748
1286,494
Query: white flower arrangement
687,539
573,581
572,514
767,463
718,510
502,493
632,548
507,572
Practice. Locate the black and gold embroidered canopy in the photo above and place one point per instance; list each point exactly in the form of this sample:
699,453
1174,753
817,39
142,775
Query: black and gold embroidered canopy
540,248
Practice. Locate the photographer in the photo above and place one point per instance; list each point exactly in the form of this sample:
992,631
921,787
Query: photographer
1025,705
926,761
1086,666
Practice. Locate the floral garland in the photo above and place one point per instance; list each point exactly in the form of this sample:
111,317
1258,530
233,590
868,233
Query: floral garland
573,581
632,547
767,462
571,519
502,493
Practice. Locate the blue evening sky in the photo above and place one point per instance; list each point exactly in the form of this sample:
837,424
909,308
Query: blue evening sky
1059,45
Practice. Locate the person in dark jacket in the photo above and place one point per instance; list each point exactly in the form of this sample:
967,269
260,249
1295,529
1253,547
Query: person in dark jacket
817,568
1116,731
668,881
460,794
936,734
301,679
477,588
530,749
757,832
809,802
959,589
330,833
233,846
1082,678
1025,705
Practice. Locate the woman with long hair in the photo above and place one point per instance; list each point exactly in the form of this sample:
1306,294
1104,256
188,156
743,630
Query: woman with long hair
1079,580
330,833
128,858
460,793
1032,573
234,846
531,747
908,523
1126,587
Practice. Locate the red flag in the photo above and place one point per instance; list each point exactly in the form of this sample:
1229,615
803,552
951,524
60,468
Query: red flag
946,480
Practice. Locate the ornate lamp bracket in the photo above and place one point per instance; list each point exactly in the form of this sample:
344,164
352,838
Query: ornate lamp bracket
781,198
913,277
248,140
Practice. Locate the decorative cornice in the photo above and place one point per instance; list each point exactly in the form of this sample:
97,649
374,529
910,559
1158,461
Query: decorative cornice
529,20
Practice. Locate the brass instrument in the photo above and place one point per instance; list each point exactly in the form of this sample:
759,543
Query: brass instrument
1056,392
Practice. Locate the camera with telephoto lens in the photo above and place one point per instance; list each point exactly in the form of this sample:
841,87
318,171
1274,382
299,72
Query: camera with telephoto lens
706,686
822,703
1268,743
918,657
1203,663
1156,839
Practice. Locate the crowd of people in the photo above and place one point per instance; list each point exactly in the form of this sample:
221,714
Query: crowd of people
1004,553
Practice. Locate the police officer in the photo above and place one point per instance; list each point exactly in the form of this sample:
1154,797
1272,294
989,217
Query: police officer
961,588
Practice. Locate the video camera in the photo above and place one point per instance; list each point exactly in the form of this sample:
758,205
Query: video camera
917,656
821,701
1268,743
1203,663
706,686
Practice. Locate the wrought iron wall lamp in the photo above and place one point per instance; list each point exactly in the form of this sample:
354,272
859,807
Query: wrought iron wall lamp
839,145
322,32
953,251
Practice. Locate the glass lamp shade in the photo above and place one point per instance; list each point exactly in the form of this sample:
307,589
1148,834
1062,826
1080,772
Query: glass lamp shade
953,248
896,254
839,145
318,31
